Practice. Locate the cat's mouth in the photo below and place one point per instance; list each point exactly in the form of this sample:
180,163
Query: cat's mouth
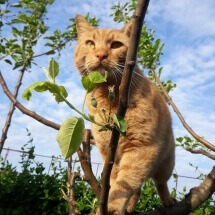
99,67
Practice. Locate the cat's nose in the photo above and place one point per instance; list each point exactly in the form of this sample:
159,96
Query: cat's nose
101,55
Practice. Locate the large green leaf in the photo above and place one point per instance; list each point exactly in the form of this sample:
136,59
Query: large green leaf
70,136
41,86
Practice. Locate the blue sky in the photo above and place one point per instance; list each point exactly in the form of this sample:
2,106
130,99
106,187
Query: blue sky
187,28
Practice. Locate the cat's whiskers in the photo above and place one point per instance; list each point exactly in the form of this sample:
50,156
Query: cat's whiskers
135,81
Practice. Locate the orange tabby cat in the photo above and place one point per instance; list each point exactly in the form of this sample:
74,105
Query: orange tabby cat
148,148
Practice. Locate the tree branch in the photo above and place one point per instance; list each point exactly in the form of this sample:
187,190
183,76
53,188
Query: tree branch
25,110
63,44
84,158
12,108
192,200
123,98
201,151
186,126
71,185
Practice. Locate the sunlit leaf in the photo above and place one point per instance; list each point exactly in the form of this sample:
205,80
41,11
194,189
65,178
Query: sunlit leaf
41,86
96,77
87,84
53,69
70,136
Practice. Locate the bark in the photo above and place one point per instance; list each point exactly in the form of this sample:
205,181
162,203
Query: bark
138,19
196,197
12,109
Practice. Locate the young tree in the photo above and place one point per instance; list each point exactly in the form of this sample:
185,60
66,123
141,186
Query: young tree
23,56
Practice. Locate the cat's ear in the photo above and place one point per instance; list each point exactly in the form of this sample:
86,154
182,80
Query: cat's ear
127,28
82,25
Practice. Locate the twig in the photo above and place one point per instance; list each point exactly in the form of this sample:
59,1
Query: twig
201,151
192,200
123,98
64,194
12,108
71,185
189,129
44,53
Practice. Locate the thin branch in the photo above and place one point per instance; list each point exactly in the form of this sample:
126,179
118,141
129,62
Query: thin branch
55,48
64,194
189,129
12,108
88,173
201,151
196,197
71,186
123,98
25,110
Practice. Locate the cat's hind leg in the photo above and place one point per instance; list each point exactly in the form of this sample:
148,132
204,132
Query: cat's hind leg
161,178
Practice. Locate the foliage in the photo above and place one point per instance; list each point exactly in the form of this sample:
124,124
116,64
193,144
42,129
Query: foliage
25,20
189,143
26,28
85,197
149,199
32,191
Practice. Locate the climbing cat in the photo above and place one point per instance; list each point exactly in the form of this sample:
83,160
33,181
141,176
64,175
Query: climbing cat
148,149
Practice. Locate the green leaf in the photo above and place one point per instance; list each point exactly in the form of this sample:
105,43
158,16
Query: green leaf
2,1
53,69
41,86
87,84
70,136
16,5
180,139
8,61
121,124
96,77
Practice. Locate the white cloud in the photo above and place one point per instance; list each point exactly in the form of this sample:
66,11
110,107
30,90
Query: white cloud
194,16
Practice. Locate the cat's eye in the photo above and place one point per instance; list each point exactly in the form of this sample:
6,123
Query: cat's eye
90,43
116,45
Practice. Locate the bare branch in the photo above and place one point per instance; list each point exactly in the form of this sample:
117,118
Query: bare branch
64,194
189,129
192,200
38,55
71,196
201,151
84,158
123,98
25,110
12,108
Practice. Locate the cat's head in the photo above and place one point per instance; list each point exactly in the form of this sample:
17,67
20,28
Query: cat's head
101,49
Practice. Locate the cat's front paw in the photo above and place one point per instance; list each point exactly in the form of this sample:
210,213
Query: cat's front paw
110,212
169,202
